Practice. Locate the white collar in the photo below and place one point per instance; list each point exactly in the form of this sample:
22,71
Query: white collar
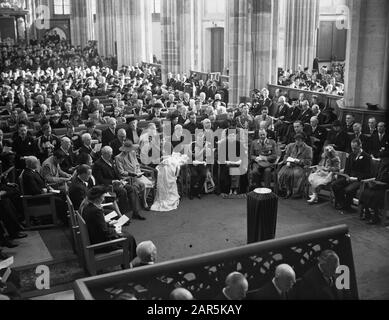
225,294
275,286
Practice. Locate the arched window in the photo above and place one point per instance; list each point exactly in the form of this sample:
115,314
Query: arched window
61,7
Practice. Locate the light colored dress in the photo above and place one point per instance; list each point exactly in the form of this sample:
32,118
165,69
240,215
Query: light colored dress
324,177
167,198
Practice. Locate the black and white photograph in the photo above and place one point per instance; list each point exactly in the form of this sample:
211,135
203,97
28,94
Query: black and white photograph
217,151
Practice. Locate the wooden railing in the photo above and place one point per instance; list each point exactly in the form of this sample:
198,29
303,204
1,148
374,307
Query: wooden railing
204,275
327,99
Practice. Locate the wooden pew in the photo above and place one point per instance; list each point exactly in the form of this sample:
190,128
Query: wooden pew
204,275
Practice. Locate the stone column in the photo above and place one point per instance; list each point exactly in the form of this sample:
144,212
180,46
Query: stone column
366,77
302,22
252,46
124,28
106,27
81,22
133,27
181,36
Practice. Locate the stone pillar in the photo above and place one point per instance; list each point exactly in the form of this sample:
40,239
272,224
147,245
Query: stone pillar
106,27
252,46
81,22
181,36
302,22
124,28
133,31
366,77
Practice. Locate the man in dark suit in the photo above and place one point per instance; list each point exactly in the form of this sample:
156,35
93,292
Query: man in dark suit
69,158
338,138
378,141
236,287
23,145
86,147
105,174
80,185
277,289
33,182
280,117
357,169
348,126
99,230
306,113
319,282
318,136
358,135
117,143
109,134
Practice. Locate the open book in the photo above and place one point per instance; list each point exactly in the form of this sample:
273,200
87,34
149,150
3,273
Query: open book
292,160
110,216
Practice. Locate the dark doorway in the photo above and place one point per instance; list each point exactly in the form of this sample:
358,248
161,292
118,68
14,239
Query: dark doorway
217,49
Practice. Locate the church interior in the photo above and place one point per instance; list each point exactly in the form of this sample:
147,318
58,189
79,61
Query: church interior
194,150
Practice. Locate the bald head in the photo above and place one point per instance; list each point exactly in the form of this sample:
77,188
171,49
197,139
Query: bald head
181,294
236,286
285,277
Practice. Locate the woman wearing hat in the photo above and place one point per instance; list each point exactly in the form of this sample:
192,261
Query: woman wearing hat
100,231
324,173
298,156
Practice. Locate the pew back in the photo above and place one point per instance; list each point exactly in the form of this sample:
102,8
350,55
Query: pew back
204,275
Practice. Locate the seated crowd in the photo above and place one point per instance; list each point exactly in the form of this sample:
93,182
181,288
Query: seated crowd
76,129
328,80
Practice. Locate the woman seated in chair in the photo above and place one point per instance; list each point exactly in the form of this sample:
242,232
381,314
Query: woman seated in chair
324,173
291,177
372,198
100,231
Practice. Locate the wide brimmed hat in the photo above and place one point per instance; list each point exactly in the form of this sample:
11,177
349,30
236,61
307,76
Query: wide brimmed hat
97,192
128,146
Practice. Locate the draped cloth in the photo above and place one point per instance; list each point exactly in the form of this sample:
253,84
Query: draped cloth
167,198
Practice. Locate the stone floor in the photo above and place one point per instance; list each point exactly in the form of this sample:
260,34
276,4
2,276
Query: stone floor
201,226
